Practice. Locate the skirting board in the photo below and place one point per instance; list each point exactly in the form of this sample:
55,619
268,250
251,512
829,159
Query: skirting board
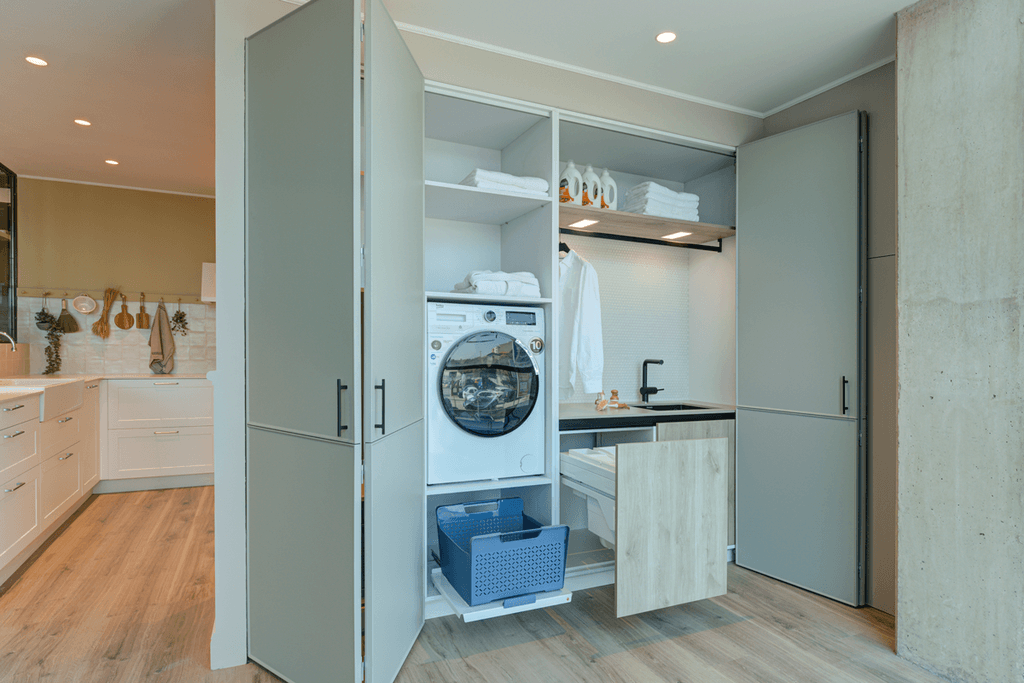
180,481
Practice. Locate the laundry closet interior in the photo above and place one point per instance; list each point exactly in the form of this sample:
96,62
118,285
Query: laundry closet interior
357,230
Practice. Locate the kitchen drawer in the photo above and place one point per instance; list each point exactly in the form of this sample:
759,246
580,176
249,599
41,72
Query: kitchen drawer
159,403
60,432
19,448
160,452
61,483
21,410
19,510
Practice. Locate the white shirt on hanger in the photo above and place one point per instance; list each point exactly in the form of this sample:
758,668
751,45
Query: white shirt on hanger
581,360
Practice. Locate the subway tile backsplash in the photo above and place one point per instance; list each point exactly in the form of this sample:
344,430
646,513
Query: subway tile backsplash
124,351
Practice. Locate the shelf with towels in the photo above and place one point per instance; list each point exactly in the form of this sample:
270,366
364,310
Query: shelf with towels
487,298
634,227
448,201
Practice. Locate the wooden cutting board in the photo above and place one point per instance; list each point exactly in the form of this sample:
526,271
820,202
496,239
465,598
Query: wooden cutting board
124,319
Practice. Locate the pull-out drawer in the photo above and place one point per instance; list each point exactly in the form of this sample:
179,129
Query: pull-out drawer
19,510
19,448
167,451
21,410
60,432
61,483
159,403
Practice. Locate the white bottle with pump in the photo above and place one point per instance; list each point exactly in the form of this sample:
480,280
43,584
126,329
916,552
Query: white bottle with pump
570,185
609,192
591,188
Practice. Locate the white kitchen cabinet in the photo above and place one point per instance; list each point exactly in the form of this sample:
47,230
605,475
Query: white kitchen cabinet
18,411
19,444
20,512
158,428
61,483
60,432
89,435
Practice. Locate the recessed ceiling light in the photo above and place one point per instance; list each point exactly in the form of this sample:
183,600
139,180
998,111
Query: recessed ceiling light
665,37
111,162
582,224
36,61
676,235
82,122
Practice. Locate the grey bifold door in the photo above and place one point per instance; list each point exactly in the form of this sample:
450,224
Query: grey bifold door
801,266
310,385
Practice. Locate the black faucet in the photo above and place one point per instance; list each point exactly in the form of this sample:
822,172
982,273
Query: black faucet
645,390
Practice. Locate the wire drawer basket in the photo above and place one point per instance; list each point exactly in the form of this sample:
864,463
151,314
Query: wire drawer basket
490,550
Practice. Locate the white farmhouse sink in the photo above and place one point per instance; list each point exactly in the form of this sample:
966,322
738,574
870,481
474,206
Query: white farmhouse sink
59,395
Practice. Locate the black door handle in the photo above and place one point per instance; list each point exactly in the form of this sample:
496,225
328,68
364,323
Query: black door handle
842,389
341,427
380,426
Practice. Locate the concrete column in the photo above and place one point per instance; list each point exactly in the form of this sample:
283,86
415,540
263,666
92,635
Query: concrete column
960,288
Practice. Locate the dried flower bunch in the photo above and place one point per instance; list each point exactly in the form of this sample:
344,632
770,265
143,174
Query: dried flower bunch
46,321
179,323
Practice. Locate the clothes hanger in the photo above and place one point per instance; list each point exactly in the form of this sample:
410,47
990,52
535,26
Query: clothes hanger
562,246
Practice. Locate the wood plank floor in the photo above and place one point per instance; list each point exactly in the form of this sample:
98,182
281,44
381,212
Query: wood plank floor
125,593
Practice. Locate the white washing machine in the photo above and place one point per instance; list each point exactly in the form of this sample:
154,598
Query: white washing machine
485,392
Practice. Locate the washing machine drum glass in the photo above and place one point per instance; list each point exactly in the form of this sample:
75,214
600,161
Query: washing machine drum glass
488,383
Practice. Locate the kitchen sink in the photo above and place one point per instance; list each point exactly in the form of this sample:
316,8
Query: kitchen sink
667,406
59,395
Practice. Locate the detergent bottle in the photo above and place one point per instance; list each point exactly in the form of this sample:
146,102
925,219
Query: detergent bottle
570,185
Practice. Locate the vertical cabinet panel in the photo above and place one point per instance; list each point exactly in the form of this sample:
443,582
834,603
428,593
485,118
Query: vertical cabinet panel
798,268
89,435
395,326
670,523
302,221
304,538
20,512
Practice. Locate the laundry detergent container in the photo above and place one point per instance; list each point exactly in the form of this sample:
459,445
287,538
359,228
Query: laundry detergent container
490,550
591,473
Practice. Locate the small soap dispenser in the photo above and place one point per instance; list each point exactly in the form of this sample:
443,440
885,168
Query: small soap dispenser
570,185
609,192
591,187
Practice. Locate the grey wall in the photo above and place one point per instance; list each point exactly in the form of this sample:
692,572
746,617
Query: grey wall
960,279
875,93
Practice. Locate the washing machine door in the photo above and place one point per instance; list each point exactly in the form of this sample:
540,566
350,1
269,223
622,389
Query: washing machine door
488,383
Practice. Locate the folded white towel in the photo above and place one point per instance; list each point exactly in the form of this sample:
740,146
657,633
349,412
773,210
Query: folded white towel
477,276
499,287
659,203
661,211
652,189
506,189
523,182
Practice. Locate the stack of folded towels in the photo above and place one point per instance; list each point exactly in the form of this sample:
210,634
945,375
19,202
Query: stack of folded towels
653,199
499,283
507,183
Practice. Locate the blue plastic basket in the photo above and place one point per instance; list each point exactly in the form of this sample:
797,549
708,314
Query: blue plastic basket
490,550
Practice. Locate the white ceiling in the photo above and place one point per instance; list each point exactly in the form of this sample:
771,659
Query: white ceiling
142,70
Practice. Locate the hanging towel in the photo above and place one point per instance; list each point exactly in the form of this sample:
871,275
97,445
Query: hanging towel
161,344
581,362
506,180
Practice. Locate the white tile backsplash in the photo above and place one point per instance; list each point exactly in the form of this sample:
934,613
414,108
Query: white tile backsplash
124,351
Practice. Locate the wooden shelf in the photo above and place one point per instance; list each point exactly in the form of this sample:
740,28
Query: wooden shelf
467,204
486,298
637,227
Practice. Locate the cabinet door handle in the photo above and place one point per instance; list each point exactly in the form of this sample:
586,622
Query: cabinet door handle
341,388
842,389
66,419
92,386
164,383
11,436
174,432
7,410
16,487
66,456
380,425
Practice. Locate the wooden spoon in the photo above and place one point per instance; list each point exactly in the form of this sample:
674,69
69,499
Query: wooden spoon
142,319
124,319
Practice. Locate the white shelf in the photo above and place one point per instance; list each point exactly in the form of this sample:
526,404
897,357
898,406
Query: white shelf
489,485
467,204
496,608
486,298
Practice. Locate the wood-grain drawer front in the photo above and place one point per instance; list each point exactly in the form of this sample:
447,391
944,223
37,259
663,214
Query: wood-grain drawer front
159,403
60,432
161,452
19,510
19,448
61,482
21,410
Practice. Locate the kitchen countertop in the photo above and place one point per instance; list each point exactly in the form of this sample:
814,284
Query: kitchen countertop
583,416
90,377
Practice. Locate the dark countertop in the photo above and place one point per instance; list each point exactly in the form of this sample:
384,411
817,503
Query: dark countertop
583,416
